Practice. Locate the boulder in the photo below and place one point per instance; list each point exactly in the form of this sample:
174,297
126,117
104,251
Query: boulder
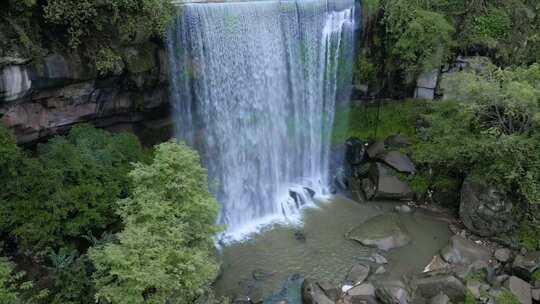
358,274
384,232
388,186
436,263
403,209
430,286
520,288
524,265
375,149
398,161
463,251
355,151
362,294
397,141
392,292
503,255
312,293
484,210
378,259
535,294
426,84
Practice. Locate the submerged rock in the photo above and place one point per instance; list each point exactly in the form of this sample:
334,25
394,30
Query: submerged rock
484,210
384,232
463,251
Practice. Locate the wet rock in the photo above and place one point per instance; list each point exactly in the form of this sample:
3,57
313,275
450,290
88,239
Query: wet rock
369,188
355,151
436,263
380,270
340,179
403,209
426,84
431,286
330,290
485,210
384,232
398,161
375,149
503,255
358,274
378,258
312,293
397,141
388,186
524,265
362,294
520,288
392,292
463,251
440,298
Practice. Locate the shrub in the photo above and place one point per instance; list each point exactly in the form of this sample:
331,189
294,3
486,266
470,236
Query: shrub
165,252
7,294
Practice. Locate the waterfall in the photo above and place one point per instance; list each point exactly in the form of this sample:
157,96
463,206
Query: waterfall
254,87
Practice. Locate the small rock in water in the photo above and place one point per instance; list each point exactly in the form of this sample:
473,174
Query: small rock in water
299,236
403,209
260,274
379,259
441,298
380,270
384,232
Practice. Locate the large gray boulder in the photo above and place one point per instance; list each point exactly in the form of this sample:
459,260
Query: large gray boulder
426,85
384,232
398,161
432,285
312,293
524,265
520,288
387,185
463,251
484,210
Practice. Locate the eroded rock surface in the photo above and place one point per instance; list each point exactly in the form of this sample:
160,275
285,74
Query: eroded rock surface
384,232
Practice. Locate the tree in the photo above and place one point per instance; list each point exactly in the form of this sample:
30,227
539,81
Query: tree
69,190
7,295
165,252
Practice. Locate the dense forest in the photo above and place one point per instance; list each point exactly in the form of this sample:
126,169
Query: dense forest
96,217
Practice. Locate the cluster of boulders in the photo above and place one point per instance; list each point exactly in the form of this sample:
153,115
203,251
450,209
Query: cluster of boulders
377,170
464,269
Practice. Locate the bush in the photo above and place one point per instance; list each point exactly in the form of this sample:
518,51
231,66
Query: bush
7,294
165,252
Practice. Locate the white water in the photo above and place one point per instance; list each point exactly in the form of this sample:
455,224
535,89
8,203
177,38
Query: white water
255,85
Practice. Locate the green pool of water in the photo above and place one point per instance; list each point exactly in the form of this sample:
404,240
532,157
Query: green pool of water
266,260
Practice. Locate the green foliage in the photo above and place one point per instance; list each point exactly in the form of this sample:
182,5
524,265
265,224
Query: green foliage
372,122
422,38
528,235
129,19
69,190
7,294
506,297
165,252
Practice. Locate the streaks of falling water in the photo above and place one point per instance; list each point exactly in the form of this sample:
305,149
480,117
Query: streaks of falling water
254,87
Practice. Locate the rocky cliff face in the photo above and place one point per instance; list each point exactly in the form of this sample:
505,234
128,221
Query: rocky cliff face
40,98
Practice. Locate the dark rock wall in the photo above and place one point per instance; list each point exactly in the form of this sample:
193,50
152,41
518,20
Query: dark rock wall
41,98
